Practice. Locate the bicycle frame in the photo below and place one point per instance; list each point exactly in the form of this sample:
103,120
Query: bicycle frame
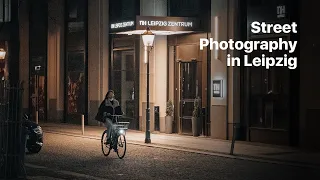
119,128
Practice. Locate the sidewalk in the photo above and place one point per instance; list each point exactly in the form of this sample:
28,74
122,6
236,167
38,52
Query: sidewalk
203,144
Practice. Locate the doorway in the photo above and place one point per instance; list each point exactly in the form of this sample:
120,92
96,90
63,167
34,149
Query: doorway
189,66
75,87
189,91
268,101
38,95
124,83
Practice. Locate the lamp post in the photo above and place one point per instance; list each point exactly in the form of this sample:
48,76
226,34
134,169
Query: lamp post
2,54
148,38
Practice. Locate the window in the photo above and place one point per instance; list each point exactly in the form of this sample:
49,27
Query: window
123,9
269,94
123,83
75,64
76,10
75,83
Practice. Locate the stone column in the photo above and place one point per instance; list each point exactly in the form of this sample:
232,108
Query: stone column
225,110
161,77
56,59
98,55
158,67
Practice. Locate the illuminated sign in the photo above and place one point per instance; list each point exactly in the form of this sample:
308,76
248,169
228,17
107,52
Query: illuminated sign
217,88
122,24
165,23
156,23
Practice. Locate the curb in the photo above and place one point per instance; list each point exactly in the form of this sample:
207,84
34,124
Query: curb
204,152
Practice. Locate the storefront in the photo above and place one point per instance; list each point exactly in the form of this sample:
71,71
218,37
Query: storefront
178,69
38,58
188,80
270,96
79,49
76,60
124,76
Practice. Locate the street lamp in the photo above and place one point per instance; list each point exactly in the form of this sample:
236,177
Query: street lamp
148,38
2,54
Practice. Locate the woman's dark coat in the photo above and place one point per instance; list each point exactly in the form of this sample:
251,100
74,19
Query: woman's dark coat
112,108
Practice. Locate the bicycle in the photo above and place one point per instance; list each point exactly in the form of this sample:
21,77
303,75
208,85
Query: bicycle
118,138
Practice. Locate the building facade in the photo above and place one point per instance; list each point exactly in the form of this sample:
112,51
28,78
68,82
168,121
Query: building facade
269,97
74,51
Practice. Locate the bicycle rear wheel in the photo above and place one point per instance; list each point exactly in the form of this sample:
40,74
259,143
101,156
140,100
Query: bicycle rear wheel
121,146
106,148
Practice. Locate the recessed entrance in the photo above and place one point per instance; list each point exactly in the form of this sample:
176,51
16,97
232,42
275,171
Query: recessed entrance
268,100
123,83
38,88
189,90
189,66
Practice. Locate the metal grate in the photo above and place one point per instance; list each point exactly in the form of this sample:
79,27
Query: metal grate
12,143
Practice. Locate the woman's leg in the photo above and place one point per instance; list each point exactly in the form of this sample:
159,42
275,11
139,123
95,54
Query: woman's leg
109,127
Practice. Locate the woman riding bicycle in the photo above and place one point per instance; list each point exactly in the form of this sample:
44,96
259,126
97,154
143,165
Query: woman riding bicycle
107,108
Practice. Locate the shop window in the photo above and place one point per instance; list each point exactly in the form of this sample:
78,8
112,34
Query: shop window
76,83
123,82
76,67
38,36
37,87
269,95
76,10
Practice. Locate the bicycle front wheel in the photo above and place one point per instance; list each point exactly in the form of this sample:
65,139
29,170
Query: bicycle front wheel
106,148
121,146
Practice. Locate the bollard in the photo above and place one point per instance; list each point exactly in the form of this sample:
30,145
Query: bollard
233,139
37,117
82,123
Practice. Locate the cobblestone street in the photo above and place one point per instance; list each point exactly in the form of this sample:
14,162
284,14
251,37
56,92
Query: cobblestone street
81,158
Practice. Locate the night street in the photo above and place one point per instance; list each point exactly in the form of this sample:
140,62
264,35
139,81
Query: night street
83,156
202,89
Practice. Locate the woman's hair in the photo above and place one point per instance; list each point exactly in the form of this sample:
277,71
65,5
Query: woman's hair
110,91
